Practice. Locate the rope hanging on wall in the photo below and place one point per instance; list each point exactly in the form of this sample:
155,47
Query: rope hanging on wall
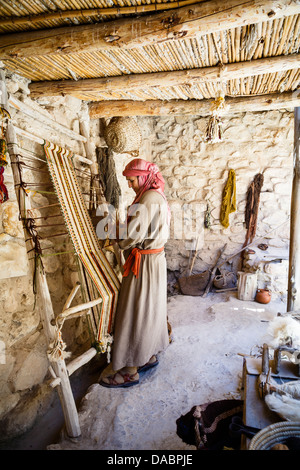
252,207
123,135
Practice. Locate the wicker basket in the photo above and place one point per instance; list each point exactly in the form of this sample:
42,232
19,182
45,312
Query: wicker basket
123,135
275,434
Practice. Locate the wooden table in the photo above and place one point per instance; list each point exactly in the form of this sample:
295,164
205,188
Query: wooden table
256,413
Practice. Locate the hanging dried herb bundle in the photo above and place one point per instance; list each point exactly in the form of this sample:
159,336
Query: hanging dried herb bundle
214,131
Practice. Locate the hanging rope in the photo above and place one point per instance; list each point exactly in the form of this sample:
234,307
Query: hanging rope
252,206
30,227
57,349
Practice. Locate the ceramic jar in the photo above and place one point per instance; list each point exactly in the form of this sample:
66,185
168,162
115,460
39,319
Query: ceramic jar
263,296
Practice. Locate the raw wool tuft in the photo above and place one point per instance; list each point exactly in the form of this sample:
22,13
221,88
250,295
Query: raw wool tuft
285,406
123,135
285,401
291,389
285,331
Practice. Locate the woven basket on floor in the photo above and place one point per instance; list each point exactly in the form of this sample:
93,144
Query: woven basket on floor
123,135
275,434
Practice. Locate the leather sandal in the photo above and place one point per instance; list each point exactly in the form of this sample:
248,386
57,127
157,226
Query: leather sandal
148,365
114,381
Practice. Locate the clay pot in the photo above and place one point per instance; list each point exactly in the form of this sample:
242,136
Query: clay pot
263,296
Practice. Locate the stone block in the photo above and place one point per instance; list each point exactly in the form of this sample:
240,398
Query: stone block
194,181
275,218
32,404
277,269
276,172
8,403
13,259
25,376
268,197
283,188
236,133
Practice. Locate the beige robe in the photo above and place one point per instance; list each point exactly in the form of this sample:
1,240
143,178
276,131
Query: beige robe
141,318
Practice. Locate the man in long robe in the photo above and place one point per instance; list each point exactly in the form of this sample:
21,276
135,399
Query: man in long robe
141,319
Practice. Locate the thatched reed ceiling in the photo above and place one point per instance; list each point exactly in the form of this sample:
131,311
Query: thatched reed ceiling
229,36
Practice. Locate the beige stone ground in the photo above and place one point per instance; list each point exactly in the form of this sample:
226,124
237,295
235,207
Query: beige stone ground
203,363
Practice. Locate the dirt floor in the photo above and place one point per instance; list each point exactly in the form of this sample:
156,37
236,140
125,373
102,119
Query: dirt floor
203,363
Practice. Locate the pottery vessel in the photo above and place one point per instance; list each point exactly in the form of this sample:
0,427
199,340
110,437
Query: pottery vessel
263,296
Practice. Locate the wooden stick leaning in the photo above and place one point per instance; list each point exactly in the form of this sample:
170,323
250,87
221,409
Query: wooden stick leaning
195,255
212,275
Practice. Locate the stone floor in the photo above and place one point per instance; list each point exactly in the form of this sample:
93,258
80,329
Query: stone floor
203,363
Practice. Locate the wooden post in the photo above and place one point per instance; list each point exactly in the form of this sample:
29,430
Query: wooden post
241,104
64,388
293,302
46,310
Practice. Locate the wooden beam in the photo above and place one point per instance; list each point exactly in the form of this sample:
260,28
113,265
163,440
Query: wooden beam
41,141
191,107
87,13
81,360
47,121
164,79
186,22
78,308
293,302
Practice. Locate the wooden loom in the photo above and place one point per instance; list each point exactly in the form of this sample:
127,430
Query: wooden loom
84,239
102,276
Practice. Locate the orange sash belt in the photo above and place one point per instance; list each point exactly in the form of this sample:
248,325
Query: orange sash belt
134,260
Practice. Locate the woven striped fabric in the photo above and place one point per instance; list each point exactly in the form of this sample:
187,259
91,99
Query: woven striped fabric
85,241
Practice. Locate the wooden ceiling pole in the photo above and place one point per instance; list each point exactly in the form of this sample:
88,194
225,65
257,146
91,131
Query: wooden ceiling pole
186,22
100,109
293,303
164,79
89,12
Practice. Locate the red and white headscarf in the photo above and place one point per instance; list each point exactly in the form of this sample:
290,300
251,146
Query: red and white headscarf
149,177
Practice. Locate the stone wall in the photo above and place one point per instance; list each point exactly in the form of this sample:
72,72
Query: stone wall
24,393
195,173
